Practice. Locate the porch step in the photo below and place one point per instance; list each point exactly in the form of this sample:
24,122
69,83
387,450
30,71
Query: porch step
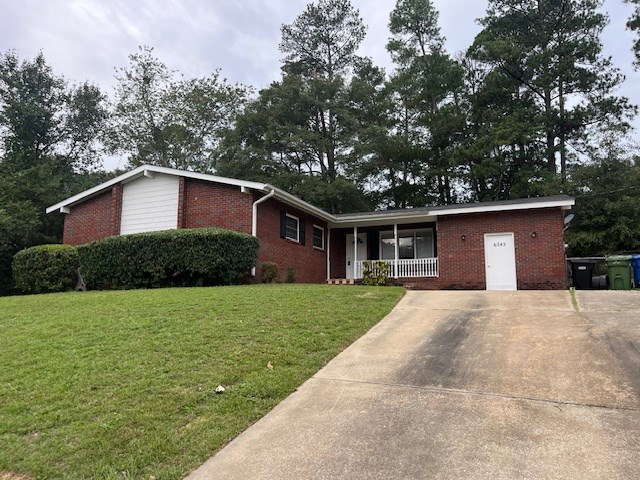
340,281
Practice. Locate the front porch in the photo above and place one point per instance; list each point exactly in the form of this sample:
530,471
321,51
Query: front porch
406,251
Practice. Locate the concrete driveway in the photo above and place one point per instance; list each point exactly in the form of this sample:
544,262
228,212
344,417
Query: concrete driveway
473,385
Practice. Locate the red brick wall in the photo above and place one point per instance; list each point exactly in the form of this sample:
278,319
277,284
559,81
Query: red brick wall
207,204
94,219
540,262
310,264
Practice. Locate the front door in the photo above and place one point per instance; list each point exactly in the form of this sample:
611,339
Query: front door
500,261
362,252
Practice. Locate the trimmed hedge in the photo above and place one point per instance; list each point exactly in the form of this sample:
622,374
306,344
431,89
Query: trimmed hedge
45,268
184,257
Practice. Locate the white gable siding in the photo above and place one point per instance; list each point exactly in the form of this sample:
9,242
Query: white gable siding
150,204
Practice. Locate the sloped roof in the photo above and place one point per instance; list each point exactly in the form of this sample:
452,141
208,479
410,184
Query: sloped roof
561,201
143,169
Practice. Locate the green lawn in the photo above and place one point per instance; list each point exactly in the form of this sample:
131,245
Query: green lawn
121,384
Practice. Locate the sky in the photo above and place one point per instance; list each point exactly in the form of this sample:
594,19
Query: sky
88,39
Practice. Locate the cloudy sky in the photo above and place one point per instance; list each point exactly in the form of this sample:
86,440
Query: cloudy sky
87,39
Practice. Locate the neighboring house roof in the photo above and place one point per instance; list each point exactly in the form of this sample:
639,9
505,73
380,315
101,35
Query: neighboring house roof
562,201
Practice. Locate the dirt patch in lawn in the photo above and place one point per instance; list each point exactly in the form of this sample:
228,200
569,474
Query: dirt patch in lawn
14,476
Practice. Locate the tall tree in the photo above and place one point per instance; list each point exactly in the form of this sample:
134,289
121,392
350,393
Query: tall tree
551,49
41,116
320,47
161,119
501,153
634,25
303,125
274,140
49,137
427,86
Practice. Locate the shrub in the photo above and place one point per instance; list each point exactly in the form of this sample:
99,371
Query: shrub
184,257
269,272
7,251
45,268
291,275
374,272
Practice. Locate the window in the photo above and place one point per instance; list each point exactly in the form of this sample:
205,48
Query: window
292,228
411,244
388,247
405,247
318,237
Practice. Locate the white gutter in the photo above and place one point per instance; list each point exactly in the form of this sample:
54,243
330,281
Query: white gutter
254,219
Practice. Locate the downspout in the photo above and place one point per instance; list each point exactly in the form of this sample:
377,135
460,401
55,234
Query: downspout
254,219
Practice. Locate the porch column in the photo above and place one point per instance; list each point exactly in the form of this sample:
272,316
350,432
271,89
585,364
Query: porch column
355,250
396,252
328,247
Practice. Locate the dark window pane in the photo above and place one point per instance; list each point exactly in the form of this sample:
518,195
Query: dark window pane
388,248
292,229
405,247
318,237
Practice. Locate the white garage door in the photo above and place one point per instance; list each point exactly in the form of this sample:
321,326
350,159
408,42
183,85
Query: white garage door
500,261
150,204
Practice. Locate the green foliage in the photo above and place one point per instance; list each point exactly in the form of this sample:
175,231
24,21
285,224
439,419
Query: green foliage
41,116
184,257
549,53
161,120
269,272
634,25
300,130
45,269
324,38
607,210
375,272
291,275
48,146
425,90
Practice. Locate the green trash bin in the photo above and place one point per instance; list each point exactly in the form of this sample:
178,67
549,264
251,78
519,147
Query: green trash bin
619,270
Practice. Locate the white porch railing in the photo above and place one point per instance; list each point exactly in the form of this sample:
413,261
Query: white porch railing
411,268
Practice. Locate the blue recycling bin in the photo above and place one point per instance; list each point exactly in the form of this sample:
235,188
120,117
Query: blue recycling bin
635,266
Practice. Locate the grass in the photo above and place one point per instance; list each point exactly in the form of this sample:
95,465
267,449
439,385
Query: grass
122,384
574,299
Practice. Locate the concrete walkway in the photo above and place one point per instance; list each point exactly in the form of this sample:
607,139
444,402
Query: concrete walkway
464,385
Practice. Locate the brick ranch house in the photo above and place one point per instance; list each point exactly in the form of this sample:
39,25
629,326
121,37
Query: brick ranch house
507,245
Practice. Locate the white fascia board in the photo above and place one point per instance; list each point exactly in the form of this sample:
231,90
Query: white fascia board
405,217
97,189
564,204
377,220
145,170
205,176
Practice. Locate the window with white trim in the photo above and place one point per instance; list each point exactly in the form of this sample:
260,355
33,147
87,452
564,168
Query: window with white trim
318,237
411,244
292,228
